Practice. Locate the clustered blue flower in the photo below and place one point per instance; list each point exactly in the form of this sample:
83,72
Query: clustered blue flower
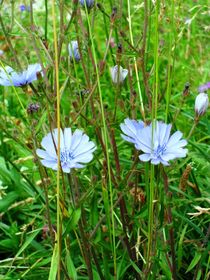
75,149
9,77
89,3
154,141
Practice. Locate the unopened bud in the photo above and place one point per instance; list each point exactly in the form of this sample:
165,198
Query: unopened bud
201,104
118,76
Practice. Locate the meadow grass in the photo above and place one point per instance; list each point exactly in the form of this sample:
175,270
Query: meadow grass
118,217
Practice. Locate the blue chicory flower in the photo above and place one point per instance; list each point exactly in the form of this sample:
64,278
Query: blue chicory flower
74,50
9,77
89,3
204,87
155,142
130,128
22,8
75,149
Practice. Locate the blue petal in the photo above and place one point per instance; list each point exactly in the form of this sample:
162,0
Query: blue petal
67,138
76,139
174,138
48,144
143,139
145,157
51,164
45,155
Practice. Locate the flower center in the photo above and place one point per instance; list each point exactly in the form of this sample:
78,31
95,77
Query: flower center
160,150
66,156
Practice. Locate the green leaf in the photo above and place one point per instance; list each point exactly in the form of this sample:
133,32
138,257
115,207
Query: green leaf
194,261
28,241
70,266
54,264
7,201
73,220
180,250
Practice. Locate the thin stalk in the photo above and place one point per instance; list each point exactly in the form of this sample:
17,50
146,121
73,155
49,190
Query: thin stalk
151,216
156,64
46,19
150,249
143,53
170,224
196,120
169,78
81,225
9,43
59,229
135,63
105,140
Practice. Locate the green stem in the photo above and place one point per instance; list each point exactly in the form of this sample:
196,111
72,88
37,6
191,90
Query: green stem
105,135
135,63
150,191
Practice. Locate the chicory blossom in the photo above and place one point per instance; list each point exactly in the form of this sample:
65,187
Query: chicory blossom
89,3
75,149
155,141
201,103
130,128
118,75
9,77
22,8
74,50
204,87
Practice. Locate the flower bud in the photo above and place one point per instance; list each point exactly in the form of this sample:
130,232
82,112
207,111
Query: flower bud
201,104
74,51
89,3
118,76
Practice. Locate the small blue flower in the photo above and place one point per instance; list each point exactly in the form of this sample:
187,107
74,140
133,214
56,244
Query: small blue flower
204,87
9,77
22,8
130,128
154,141
74,50
75,149
89,3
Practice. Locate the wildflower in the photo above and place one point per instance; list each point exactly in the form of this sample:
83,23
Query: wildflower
23,8
89,3
33,108
75,149
204,87
118,76
157,144
1,52
201,103
9,77
74,50
130,128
